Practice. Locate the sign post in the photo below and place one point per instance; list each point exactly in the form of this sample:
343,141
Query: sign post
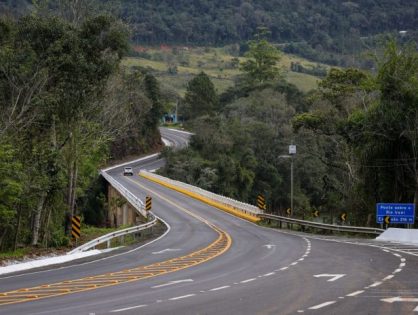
395,213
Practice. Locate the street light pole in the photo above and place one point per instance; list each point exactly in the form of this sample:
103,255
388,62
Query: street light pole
291,184
292,152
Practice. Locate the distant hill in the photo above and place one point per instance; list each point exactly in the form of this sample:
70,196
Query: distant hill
331,26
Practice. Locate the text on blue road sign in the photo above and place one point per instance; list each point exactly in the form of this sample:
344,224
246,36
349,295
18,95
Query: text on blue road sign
398,212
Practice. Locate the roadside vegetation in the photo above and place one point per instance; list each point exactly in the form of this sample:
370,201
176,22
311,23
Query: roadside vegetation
356,137
66,109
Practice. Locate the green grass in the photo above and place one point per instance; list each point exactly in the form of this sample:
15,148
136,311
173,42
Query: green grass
216,63
18,253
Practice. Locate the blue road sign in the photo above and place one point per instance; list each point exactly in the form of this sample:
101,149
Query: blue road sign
398,212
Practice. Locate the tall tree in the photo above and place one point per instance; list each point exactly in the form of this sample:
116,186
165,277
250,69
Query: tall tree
262,58
201,98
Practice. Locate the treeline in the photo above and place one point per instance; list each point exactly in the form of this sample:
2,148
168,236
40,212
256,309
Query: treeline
325,31
66,107
356,138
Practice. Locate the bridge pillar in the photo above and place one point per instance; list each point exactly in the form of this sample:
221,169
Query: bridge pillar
120,211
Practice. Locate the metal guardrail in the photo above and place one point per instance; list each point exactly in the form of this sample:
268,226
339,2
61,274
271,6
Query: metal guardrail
241,206
108,237
323,226
130,197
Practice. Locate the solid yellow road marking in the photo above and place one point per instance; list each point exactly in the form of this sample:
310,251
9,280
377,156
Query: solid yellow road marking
214,249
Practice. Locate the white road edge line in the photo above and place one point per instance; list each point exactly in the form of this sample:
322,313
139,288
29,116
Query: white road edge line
375,284
181,297
220,288
316,307
128,308
248,280
355,293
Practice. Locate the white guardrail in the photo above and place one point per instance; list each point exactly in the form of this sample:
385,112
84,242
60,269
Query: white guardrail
108,237
130,197
242,206
324,226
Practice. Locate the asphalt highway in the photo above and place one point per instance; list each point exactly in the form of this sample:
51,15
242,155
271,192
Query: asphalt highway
215,263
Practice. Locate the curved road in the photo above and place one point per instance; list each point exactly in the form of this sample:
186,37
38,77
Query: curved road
210,262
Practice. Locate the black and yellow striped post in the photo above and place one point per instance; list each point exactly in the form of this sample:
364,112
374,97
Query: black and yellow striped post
76,227
261,202
148,203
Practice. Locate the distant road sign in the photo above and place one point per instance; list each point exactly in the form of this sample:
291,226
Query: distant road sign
343,216
386,219
289,211
315,213
400,213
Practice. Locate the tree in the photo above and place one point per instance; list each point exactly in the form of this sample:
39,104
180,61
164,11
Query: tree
262,58
201,98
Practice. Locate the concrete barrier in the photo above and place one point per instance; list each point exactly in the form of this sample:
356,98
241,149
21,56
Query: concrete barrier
234,207
406,236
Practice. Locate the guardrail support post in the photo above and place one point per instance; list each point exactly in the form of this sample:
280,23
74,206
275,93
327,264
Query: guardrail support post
108,243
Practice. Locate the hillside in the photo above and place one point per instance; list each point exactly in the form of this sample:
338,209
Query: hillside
323,30
176,66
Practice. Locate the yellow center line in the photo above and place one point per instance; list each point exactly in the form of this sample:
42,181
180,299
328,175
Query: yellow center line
214,249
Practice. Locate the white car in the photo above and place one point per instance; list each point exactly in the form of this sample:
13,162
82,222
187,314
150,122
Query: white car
128,171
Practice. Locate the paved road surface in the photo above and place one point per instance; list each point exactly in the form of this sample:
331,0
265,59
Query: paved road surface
255,270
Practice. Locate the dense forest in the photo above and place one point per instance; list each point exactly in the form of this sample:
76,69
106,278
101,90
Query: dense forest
356,137
324,30
66,108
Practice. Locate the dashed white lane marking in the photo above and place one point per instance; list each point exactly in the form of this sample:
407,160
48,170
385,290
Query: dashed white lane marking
397,270
416,309
388,277
402,265
355,293
284,268
248,280
220,288
301,311
128,308
317,307
403,259
181,297
294,263
375,284
269,274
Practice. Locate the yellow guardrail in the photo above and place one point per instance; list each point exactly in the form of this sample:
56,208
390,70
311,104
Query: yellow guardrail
229,209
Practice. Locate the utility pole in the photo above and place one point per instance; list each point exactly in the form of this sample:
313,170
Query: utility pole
292,152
